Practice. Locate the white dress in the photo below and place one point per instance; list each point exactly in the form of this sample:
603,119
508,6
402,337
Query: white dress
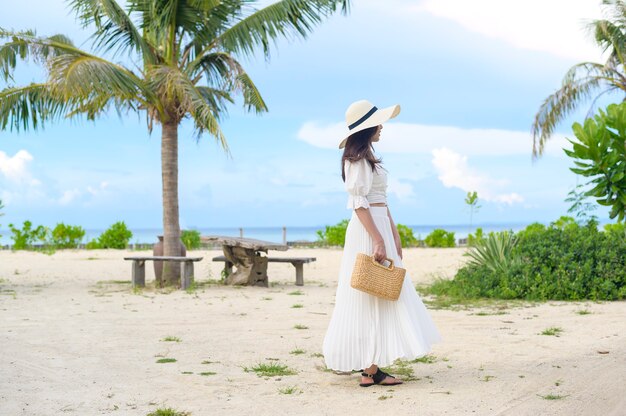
364,329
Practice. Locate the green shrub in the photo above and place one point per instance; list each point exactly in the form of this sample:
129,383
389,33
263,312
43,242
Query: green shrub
67,236
116,236
473,239
191,239
334,235
494,252
440,238
618,229
25,238
406,236
572,262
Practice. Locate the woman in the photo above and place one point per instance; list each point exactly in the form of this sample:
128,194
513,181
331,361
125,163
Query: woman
366,332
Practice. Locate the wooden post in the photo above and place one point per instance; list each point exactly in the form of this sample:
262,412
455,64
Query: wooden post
299,273
285,235
139,273
187,276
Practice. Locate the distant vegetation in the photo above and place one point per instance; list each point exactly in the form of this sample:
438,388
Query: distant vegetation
191,239
335,235
440,238
563,261
116,236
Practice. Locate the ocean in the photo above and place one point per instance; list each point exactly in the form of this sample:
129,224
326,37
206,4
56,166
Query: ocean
275,234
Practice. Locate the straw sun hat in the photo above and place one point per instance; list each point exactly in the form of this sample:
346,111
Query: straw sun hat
362,115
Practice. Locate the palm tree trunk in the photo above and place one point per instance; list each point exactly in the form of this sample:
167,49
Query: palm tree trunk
171,226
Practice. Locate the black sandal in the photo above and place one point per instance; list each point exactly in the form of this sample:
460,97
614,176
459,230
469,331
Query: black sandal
378,377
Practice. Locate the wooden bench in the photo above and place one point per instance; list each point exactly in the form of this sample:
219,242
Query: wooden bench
139,269
297,262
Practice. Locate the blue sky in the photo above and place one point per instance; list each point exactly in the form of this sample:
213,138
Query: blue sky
468,75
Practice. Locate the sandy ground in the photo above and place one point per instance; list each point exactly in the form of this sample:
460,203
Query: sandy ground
76,339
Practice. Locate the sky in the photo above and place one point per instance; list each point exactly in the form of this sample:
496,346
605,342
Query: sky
469,76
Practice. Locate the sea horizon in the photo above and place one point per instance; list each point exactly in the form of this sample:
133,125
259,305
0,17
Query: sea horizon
142,235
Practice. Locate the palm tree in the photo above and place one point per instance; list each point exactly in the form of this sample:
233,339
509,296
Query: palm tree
180,61
587,80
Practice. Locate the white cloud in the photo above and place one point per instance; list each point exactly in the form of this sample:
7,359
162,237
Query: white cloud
98,189
454,172
69,196
418,138
402,190
16,168
555,26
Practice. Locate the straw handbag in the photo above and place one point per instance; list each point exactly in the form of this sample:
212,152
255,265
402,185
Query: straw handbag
372,277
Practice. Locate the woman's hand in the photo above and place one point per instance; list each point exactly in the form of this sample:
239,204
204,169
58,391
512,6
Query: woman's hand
380,253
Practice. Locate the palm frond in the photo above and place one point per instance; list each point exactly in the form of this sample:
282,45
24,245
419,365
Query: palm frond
83,76
576,88
224,71
31,107
114,28
177,91
283,19
26,45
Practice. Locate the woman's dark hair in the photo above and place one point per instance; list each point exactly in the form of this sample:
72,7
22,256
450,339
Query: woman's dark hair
359,146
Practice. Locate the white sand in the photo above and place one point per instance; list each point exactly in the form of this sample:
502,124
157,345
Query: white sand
72,345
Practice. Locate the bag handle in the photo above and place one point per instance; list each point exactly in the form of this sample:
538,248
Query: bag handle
382,265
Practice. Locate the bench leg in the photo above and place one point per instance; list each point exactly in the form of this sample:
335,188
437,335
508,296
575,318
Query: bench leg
299,274
187,276
139,273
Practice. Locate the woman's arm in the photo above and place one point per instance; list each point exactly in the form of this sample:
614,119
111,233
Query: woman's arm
396,234
366,219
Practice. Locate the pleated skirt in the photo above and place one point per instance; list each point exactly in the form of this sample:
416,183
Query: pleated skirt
366,330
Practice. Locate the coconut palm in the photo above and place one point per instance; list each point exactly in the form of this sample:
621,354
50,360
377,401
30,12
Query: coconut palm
178,60
587,80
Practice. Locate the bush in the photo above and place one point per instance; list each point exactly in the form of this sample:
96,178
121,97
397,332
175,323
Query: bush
618,229
406,236
67,236
572,262
473,239
440,238
333,235
25,238
116,236
191,239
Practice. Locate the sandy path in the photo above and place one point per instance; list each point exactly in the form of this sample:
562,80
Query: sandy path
72,345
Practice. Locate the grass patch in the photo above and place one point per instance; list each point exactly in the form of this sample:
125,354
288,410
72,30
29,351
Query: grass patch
209,362
487,378
427,359
171,339
270,370
584,312
383,397
558,382
290,390
166,360
297,306
484,313
207,373
552,331
186,372
168,412
552,396
297,351
300,326
193,287
402,369
296,293
266,298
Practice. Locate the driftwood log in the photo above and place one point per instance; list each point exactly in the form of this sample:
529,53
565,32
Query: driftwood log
249,256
